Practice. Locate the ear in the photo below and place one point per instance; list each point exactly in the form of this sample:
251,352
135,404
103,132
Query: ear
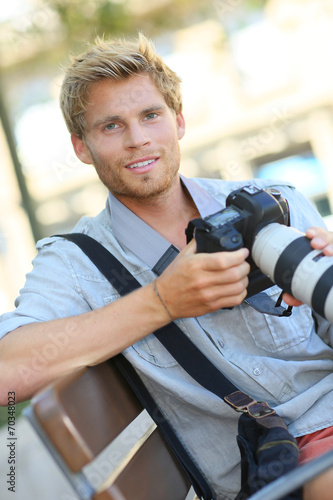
81,149
180,125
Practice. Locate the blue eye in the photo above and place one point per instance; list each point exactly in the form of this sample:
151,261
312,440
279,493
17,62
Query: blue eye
150,116
111,126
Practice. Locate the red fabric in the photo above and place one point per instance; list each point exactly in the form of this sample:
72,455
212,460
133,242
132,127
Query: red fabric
315,444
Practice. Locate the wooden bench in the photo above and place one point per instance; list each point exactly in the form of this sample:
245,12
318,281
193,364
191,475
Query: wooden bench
90,421
83,418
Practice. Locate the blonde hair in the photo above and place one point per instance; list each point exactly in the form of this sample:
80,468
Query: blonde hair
116,60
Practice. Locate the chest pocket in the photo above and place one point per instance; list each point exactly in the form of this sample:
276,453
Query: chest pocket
243,329
275,334
151,349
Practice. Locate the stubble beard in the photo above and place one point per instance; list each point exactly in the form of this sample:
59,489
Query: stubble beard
146,186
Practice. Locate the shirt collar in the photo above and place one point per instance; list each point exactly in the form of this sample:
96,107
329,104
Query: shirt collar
133,233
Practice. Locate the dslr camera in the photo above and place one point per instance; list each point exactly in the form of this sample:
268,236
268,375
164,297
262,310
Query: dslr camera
258,219
247,211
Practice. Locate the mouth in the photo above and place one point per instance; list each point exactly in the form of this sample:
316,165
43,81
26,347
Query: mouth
142,165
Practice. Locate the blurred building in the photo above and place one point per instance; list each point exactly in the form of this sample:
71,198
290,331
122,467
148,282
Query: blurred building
16,240
258,102
267,104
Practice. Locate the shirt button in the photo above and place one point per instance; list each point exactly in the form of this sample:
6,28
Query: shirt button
221,343
257,371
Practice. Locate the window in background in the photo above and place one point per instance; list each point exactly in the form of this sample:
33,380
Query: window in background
306,173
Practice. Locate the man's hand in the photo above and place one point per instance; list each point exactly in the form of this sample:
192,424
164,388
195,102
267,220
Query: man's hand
196,284
320,240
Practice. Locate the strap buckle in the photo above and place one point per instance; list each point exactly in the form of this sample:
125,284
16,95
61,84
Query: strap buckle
241,402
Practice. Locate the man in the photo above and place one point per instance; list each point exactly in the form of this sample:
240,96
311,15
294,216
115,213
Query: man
122,106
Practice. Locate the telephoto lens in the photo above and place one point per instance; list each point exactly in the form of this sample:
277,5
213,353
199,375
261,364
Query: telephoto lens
285,255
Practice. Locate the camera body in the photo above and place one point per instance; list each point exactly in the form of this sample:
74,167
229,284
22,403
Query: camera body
248,210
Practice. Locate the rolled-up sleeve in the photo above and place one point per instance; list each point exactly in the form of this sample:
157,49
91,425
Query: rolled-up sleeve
51,291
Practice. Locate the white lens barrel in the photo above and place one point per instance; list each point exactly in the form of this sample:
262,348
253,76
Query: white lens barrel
285,255
269,244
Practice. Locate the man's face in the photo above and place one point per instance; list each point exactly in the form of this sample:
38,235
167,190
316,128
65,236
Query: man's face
131,137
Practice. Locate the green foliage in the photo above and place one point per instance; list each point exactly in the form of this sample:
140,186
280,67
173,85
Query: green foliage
4,412
84,19
57,27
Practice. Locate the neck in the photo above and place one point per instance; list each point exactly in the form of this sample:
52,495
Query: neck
168,213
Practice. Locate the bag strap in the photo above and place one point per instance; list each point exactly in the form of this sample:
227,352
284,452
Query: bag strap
124,282
196,478
171,336
185,352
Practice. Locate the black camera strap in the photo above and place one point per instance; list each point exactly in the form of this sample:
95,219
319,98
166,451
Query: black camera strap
263,303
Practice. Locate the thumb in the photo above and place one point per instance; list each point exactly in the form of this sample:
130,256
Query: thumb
190,248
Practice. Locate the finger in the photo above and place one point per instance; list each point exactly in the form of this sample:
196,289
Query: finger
312,232
210,291
223,260
233,298
231,275
221,296
321,240
290,300
229,289
318,236
328,250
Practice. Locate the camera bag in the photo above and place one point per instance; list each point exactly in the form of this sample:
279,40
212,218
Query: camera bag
267,448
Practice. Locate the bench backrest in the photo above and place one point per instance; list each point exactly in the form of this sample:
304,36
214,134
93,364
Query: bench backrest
80,415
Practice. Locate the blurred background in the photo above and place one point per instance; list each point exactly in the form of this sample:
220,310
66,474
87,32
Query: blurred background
258,100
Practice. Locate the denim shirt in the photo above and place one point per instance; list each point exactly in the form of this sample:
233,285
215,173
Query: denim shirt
283,361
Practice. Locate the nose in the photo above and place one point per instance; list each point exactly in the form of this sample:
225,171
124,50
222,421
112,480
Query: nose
136,136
